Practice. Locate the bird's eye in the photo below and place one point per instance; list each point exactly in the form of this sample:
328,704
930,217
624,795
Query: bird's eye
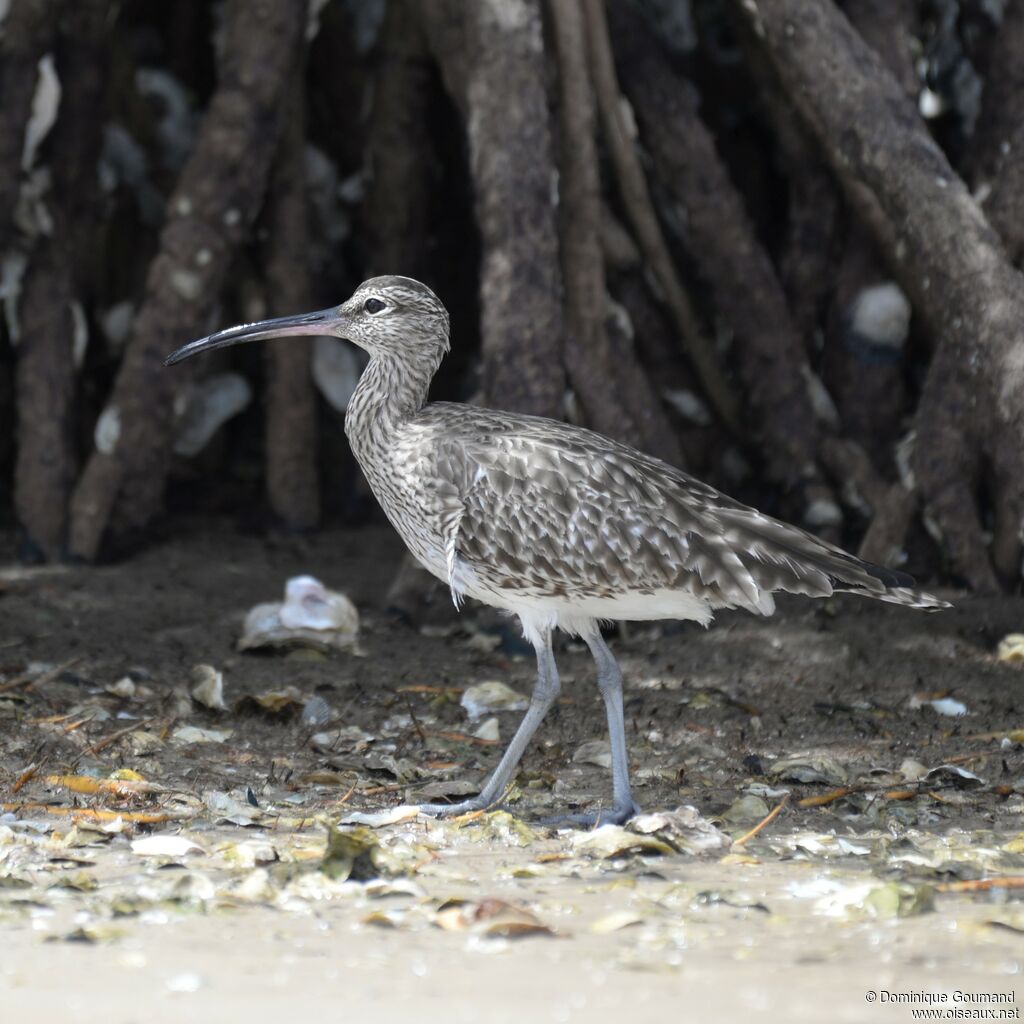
373,305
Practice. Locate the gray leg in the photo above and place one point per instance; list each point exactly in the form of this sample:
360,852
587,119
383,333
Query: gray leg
609,682
545,693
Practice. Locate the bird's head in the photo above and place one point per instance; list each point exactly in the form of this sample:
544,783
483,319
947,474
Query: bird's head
394,318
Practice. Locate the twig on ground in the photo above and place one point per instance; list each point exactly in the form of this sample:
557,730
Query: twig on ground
773,814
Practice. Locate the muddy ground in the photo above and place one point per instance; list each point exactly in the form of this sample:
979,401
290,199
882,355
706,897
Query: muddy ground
875,878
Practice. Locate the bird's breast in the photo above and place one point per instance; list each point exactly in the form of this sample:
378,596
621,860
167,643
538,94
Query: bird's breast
406,490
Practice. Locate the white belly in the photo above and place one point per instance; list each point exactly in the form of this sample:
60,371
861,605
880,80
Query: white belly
580,615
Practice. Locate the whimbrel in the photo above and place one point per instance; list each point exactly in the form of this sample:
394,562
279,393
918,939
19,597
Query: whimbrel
560,525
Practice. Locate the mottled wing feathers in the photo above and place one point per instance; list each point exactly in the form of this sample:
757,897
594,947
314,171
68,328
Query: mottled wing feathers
452,509
793,560
549,509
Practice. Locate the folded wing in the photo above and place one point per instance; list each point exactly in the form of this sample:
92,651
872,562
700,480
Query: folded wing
549,509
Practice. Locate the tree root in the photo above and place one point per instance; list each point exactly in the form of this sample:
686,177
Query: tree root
637,200
946,258
217,197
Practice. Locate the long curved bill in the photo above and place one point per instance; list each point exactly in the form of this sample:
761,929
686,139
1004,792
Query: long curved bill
326,321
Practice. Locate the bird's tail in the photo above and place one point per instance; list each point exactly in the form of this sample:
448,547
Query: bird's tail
782,557
909,597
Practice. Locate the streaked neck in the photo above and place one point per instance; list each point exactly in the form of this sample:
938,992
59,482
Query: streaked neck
388,394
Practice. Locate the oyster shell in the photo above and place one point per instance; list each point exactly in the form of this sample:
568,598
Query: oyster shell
310,616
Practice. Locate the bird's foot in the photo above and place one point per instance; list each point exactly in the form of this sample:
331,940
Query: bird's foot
454,810
618,814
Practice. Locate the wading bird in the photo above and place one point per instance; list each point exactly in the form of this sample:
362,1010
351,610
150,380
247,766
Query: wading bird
560,525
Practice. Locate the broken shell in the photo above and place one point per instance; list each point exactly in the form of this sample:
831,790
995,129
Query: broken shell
310,616
810,768
165,846
596,752
748,808
488,731
490,917
316,712
912,771
378,819
207,687
274,702
953,775
491,696
948,706
308,604
1011,648
684,829
611,841
124,687
193,734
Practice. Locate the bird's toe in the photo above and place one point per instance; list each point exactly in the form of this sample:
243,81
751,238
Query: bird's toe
619,814
452,810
